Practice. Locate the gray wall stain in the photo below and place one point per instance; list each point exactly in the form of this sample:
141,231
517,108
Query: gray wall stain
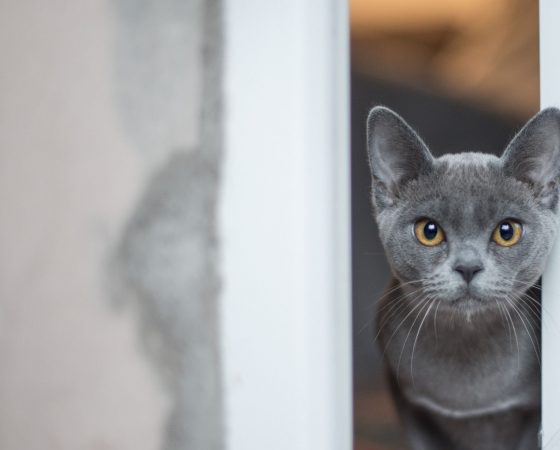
167,259
166,262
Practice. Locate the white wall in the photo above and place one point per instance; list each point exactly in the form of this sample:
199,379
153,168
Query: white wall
95,95
108,169
285,226
550,96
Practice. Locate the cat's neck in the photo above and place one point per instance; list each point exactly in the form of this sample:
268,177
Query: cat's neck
485,349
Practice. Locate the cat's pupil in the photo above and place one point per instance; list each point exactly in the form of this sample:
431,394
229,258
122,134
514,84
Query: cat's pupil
506,231
430,230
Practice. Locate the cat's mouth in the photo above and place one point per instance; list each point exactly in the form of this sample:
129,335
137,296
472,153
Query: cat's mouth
469,304
468,298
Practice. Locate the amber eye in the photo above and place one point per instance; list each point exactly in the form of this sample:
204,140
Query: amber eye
507,233
428,232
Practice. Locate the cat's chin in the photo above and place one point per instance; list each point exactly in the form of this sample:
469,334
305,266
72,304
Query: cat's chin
466,297
470,303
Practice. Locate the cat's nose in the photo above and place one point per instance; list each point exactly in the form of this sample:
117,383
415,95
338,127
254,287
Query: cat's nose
468,271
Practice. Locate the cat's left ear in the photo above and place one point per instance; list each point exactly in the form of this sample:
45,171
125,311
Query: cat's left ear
396,155
533,156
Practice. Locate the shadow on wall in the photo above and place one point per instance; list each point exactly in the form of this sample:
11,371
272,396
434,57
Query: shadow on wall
165,264
446,126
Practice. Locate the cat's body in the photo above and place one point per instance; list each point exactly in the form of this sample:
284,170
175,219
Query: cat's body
459,326
464,389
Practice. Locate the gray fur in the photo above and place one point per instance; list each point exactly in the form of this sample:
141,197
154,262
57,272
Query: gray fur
463,358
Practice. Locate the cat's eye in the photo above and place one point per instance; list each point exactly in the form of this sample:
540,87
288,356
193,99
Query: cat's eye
428,232
507,233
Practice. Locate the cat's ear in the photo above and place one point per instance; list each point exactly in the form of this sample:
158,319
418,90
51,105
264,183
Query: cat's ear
533,156
396,155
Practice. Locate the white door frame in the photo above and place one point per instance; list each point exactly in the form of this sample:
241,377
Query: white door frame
284,226
550,96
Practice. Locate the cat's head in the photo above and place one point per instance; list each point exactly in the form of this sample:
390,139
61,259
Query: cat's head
468,228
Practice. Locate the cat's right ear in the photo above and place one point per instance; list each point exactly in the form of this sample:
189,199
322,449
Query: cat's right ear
396,155
533,156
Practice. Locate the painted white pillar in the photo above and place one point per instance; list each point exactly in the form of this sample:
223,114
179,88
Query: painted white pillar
550,96
284,225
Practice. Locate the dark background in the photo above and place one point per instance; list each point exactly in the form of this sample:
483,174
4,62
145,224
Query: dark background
465,75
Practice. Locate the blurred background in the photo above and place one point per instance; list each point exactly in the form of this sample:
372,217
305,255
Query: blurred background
465,75
106,227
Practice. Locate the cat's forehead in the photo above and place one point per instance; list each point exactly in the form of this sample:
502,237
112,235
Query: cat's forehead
467,161
465,175
469,186
470,175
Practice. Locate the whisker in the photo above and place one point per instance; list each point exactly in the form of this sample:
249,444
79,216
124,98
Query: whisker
424,303
521,316
392,303
525,284
435,321
528,307
399,304
416,340
420,303
504,321
399,286
537,304
515,334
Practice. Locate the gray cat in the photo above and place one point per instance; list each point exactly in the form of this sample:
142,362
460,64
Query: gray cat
467,237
